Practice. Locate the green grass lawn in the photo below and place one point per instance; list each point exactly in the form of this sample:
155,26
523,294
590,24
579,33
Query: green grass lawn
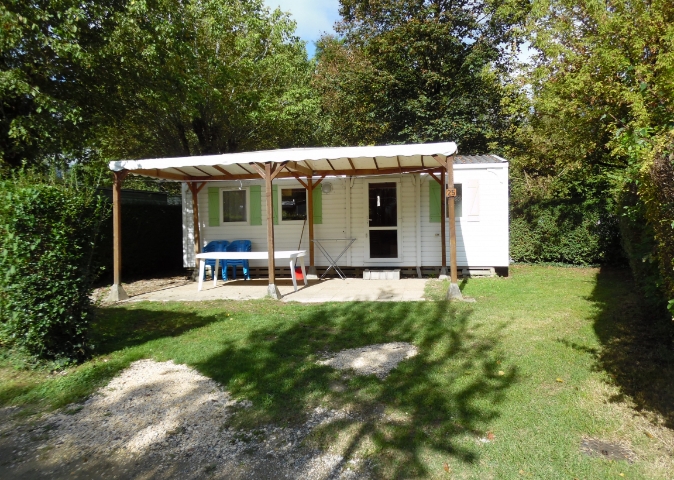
541,360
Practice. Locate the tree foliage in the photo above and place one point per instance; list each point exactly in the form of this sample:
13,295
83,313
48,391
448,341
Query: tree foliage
97,80
206,77
602,103
420,71
49,77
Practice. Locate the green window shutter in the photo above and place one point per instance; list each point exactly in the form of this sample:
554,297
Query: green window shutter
318,205
255,192
213,207
274,202
434,200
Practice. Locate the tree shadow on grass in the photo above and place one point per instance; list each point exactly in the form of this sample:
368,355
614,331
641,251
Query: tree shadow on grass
434,407
637,345
116,328
440,401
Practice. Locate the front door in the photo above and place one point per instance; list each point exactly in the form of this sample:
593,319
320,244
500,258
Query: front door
383,220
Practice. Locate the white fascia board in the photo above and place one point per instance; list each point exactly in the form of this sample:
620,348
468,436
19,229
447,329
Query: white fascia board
289,154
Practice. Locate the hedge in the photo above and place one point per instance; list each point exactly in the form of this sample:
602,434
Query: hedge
48,231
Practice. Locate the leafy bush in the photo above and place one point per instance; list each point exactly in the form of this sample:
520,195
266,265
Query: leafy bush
48,230
563,233
650,217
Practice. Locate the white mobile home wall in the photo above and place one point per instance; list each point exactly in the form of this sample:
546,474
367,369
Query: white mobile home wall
482,238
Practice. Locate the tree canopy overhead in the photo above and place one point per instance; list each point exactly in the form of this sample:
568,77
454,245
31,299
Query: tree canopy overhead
142,78
205,77
423,70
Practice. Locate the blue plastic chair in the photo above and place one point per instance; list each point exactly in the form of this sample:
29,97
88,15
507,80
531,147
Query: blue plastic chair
215,246
237,246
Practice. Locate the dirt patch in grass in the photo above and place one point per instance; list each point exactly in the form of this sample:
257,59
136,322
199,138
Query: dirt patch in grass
139,287
376,360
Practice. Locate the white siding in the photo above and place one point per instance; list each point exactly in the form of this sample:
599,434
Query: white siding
286,235
479,243
482,241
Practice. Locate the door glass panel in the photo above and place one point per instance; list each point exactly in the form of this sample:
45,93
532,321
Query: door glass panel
383,243
383,203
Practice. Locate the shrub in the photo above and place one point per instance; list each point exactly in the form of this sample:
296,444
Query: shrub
563,233
654,214
48,231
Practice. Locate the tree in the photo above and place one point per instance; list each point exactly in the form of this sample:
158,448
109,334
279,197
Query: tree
430,71
206,77
87,81
603,111
47,69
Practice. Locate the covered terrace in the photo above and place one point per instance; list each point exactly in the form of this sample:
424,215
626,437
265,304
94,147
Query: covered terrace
309,166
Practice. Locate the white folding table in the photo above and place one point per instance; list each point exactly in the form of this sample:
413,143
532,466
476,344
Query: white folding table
291,255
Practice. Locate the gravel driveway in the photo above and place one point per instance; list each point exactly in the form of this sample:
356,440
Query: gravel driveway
162,420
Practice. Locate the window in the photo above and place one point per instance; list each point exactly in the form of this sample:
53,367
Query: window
293,204
234,206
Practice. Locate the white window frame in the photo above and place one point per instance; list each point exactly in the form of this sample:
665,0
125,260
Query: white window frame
366,213
220,205
280,203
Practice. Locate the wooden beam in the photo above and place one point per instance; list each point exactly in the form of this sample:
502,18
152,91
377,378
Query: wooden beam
307,172
244,168
299,179
184,172
202,171
261,169
281,174
223,171
442,187
201,185
375,163
272,289
331,166
351,163
443,221
156,173
441,160
277,169
318,182
310,201
117,292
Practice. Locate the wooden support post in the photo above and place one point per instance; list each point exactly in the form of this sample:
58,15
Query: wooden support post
443,229
117,292
195,215
272,290
454,293
311,272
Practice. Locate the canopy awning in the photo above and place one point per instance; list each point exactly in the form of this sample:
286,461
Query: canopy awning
370,160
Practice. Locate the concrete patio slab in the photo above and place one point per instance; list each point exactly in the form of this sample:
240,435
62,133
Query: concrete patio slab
331,290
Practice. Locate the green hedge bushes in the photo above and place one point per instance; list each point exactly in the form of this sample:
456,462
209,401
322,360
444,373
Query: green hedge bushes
48,231
648,223
568,227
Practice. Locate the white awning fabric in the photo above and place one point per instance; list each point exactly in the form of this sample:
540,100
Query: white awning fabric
369,160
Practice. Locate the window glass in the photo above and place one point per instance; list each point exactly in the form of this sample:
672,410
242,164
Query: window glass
293,204
383,204
234,206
